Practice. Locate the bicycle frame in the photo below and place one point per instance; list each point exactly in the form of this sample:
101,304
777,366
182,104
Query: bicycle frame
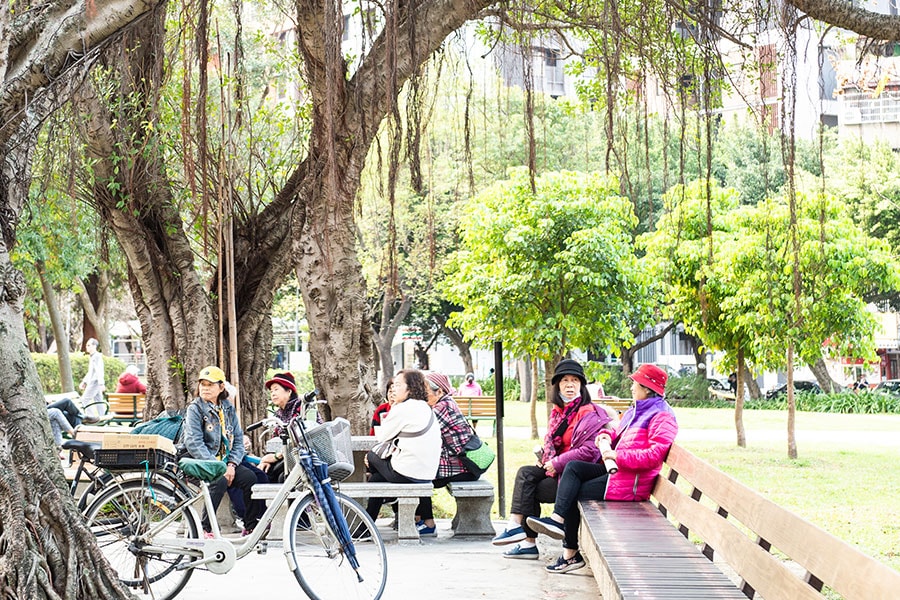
200,548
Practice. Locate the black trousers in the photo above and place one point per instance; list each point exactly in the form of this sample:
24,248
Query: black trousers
579,481
531,489
244,480
381,469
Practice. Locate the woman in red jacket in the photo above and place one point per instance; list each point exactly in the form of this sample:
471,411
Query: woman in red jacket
129,382
639,447
573,424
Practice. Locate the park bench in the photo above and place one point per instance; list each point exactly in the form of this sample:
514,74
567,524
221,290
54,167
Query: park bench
126,408
619,404
473,507
636,551
479,408
408,496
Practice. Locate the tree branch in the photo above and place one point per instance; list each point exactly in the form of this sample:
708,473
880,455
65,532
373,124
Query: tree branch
847,15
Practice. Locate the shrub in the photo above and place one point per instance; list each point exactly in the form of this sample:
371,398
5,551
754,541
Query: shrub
48,370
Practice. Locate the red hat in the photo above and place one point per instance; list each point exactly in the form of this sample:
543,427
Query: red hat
651,377
285,380
440,380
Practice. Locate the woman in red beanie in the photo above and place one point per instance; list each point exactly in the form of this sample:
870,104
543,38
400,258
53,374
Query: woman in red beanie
639,447
283,392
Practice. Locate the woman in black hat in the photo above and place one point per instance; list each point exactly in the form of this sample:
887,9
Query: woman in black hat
573,424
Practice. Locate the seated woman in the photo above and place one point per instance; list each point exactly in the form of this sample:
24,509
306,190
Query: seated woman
212,432
283,393
640,443
414,436
573,424
455,432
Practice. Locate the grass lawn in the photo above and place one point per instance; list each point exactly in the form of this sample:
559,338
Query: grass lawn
846,487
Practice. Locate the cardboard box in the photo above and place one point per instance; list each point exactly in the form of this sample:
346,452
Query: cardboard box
130,441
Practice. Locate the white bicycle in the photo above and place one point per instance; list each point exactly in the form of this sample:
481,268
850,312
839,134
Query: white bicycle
149,530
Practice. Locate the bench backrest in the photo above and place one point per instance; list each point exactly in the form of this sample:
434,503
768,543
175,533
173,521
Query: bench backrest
825,559
619,404
477,406
126,406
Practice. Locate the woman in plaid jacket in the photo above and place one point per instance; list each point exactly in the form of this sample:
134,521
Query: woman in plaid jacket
455,432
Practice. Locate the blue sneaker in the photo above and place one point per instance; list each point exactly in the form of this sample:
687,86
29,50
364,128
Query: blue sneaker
509,536
564,565
547,526
519,552
426,531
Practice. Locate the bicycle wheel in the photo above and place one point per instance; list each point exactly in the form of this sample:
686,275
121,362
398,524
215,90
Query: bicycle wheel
319,562
128,509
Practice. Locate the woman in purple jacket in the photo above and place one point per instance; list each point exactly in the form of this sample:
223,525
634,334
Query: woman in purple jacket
573,424
639,447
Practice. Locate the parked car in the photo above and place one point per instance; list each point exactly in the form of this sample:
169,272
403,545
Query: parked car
809,387
888,386
718,384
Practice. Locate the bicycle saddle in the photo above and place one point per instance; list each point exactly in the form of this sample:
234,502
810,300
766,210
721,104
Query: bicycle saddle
85,449
207,470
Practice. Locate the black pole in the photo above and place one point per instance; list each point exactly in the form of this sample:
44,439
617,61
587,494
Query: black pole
498,398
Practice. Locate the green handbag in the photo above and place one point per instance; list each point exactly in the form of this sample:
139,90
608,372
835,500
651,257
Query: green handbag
477,456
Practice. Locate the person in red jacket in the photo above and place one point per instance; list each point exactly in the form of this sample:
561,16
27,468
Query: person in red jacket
638,447
573,424
129,382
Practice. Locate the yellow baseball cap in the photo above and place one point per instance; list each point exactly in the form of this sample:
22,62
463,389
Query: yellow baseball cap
212,373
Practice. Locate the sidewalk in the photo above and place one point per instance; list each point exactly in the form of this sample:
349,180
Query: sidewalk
441,568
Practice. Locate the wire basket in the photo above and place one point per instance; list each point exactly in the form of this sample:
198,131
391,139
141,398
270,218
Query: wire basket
332,444
132,459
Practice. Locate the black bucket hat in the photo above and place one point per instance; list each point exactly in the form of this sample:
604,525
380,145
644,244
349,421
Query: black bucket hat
568,366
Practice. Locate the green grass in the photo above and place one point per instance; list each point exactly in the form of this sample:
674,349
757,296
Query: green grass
847,489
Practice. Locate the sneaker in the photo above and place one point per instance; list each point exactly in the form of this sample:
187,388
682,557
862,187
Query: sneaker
209,535
547,526
426,531
518,551
509,536
564,565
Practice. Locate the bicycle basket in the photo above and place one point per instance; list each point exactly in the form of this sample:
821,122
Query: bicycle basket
131,460
331,443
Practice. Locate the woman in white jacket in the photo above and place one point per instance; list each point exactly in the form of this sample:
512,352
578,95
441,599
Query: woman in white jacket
414,435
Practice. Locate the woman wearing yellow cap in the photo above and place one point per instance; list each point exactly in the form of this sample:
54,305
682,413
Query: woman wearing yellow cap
212,432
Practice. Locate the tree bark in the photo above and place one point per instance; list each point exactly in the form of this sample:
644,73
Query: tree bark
820,370
384,337
94,298
66,379
626,355
752,386
463,347
534,396
848,15
739,401
523,368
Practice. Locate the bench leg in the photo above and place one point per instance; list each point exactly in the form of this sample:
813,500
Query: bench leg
406,518
473,516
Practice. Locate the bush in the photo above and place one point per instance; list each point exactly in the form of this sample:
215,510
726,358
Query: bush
511,388
48,370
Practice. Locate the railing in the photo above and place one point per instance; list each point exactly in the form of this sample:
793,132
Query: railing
857,108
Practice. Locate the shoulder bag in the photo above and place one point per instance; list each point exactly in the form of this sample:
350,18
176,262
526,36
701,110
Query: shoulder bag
476,455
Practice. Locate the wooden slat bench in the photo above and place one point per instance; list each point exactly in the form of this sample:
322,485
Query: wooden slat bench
127,408
635,551
473,507
408,496
619,404
479,408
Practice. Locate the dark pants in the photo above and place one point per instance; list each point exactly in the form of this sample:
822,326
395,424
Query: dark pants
425,509
380,469
237,495
579,481
531,489
69,409
244,480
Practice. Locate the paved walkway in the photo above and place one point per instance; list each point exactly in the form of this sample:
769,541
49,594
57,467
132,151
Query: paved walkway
441,568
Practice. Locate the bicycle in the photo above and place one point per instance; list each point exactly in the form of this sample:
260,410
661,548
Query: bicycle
153,537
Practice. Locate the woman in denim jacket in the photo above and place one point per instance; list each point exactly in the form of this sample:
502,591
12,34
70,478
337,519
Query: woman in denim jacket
212,432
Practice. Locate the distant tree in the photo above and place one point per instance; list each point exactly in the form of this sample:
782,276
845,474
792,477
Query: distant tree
548,270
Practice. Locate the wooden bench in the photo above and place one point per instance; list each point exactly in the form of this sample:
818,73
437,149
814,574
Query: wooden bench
619,404
479,408
408,496
635,550
127,408
473,507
